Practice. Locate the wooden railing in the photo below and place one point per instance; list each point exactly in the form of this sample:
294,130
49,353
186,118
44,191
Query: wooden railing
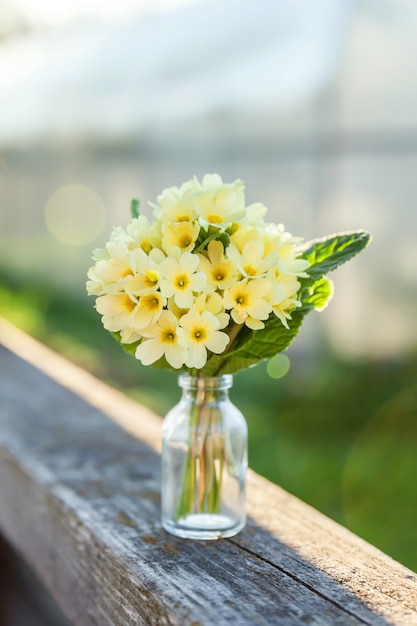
79,502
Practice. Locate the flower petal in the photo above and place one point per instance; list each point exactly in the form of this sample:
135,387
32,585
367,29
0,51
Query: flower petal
149,351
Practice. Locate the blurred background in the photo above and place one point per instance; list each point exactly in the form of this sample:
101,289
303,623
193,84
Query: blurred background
314,106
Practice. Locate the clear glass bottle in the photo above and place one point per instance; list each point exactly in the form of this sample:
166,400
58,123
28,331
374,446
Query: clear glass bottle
204,461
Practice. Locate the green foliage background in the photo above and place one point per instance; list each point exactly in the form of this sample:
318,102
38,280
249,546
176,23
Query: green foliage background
340,435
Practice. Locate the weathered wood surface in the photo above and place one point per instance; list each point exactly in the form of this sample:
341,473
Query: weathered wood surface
79,499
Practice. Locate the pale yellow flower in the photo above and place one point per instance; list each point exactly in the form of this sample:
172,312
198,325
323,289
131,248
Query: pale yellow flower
272,236
181,278
111,274
176,310
116,310
182,235
221,272
251,261
162,340
288,262
148,310
293,267
241,235
218,203
128,335
199,334
254,214
144,234
283,297
280,243
177,204
148,274
213,303
248,302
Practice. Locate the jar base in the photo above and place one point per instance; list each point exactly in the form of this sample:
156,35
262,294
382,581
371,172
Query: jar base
207,526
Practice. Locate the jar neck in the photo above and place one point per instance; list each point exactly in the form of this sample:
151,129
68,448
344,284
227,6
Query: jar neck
199,389
202,383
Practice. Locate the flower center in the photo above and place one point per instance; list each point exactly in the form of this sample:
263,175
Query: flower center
169,336
249,270
182,281
152,278
185,241
151,302
128,304
199,334
218,275
146,246
241,299
213,218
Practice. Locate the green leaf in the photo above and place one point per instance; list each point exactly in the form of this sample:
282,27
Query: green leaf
262,344
325,255
217,235
318,295
128,347
134,207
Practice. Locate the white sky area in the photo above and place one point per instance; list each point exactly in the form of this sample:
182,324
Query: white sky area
58,12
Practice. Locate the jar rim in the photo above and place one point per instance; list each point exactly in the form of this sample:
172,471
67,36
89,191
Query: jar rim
186,381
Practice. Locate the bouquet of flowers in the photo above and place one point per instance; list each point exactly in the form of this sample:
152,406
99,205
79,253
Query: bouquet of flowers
208,286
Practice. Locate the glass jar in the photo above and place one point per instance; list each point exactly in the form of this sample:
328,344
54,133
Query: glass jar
204,461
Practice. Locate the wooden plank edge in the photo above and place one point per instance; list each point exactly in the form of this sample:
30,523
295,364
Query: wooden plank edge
136,419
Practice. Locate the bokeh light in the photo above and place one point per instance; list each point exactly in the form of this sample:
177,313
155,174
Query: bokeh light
75,215
278,366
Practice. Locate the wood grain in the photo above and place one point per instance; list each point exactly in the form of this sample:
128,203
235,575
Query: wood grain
79,499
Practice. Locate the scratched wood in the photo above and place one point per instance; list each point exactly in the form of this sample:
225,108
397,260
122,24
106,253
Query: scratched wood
79,500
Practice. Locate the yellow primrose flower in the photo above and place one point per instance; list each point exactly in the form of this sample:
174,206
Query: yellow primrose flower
248,302
148,275
109,275
162,340
148,310
283,297
221,272
288,262
293,267
128,335
254,214
116,310
284,245
251,261
199,334
177,204
181,278
241,235
182,235
218,203
171,306
146,235
213,303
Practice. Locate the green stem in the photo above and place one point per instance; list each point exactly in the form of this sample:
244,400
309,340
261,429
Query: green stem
233,333
201,484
